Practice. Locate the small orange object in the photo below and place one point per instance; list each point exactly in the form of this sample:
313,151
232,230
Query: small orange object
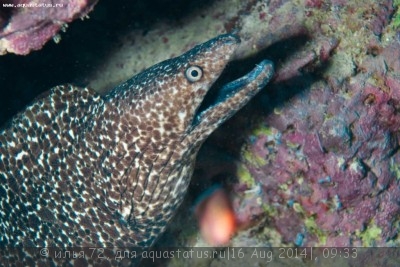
216,217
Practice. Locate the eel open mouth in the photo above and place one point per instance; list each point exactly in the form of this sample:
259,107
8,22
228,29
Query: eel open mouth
247,85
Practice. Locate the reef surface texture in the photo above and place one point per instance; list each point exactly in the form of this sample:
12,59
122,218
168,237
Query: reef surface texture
318,163
27,25
328,157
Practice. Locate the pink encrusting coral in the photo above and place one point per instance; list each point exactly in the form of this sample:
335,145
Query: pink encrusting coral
28,25
334,169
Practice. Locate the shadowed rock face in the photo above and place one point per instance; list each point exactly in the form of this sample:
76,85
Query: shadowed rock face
80,169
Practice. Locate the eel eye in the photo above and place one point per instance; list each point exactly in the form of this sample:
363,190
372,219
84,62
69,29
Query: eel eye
193,73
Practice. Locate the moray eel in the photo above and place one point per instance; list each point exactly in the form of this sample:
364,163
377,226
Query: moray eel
79,169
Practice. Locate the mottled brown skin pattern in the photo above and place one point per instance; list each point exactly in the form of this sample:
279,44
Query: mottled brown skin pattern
79,169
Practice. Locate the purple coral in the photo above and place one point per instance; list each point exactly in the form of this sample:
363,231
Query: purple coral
337,158
28,25
332,177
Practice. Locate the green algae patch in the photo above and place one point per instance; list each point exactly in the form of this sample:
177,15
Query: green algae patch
313,228
253,159
311,225
396,16
370,235
245,176
269,210
395,169
264,130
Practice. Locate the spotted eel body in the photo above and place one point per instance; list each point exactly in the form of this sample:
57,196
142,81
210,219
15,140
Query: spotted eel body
78,169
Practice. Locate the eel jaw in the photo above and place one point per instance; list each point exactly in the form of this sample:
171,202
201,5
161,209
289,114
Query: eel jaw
231,97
